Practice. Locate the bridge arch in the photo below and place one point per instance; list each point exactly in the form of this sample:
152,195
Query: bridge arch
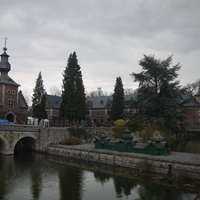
3,144
25,142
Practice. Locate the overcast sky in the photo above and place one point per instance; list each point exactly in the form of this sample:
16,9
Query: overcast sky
109,37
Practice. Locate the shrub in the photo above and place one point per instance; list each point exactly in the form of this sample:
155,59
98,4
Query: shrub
118,131
71,141
77,132
133,125
120,123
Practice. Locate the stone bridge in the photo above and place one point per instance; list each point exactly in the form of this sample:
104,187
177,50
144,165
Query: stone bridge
29,137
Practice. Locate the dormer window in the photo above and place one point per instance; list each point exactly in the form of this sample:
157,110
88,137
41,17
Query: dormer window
101,102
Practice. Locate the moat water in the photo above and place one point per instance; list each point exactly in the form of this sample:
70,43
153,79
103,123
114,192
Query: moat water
33,176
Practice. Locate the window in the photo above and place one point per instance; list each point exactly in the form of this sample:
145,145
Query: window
10,103
101,120
13,92
21,118
8,91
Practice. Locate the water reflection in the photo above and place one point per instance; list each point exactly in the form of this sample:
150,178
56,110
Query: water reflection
37,177
124,186
70,182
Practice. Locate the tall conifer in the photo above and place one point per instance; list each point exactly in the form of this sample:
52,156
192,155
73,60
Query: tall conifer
73,106
118,100
38,99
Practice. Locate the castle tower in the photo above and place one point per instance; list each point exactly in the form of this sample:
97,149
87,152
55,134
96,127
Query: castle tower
4,64
13,106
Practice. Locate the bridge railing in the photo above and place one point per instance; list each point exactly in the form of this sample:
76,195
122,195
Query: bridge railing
19,127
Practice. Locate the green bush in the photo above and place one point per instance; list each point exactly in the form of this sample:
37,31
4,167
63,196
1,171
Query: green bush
120,123
81,133
133,125
118,131
71,141
77,132
162,129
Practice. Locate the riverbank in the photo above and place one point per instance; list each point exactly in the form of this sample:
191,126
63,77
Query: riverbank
181,164
132,174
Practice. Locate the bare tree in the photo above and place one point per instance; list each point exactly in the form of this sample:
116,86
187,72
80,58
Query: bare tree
192,88
54,90
129,91
96,93
99,91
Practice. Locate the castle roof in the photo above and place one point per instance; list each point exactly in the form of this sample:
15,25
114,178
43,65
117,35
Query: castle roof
101,101
21,100
53,101
7,80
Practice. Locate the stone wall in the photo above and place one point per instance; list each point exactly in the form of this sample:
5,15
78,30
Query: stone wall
49,136
134,161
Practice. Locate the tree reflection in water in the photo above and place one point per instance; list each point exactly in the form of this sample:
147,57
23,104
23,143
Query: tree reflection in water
38,176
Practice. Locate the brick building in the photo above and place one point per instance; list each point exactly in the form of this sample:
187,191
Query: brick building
13,106
98,109
191,105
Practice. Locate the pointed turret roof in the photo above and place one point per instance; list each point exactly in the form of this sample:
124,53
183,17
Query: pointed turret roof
4,63
5,68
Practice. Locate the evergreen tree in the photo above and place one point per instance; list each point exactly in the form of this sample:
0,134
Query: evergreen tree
158,91
73,106
118,100
38,91
39,99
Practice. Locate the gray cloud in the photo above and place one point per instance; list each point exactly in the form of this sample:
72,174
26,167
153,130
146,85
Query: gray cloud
110,37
